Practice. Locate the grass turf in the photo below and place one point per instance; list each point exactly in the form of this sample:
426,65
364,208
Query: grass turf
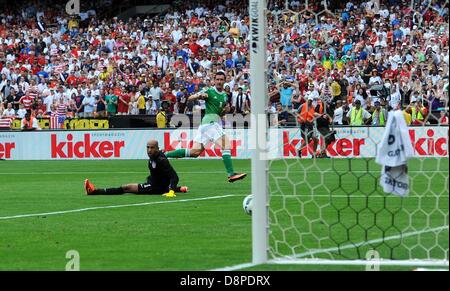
178,234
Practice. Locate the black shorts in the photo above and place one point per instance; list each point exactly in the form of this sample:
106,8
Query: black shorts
149,189
307,131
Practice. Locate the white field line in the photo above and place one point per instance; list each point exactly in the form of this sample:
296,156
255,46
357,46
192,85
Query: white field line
294,259
190,172
111,206
235,267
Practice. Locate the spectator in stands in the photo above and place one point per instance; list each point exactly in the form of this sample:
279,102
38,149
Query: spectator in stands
141,103
287,93
311,93
170,99
21,112
79,107
407,115
379,115
240,102
443,119
356,47
89,105
133,108
9,111
100,108
418,113
336,89
29,123
124,103
150,106
281,116
358,115
156,93
338,113
111,103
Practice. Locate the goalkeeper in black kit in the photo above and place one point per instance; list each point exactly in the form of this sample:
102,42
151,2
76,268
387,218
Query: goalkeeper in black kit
162,180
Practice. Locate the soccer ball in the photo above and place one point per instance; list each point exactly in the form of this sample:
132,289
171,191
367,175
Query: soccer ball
248,204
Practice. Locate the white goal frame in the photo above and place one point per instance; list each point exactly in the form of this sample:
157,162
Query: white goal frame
259,162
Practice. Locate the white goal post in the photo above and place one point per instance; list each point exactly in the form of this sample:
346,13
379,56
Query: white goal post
258,67
314,212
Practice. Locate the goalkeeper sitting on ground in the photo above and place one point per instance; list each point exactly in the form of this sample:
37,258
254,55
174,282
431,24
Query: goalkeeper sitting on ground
162,179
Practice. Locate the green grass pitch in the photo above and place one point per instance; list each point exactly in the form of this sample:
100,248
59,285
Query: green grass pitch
44,214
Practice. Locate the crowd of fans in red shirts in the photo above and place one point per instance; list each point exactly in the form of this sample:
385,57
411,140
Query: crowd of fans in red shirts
392,56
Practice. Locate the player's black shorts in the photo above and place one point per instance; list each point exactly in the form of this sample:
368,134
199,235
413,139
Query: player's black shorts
307,130
149,189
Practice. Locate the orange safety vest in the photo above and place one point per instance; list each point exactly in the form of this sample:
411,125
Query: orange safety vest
28,124
308,115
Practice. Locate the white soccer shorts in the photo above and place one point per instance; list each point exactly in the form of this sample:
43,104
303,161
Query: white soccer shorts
207,133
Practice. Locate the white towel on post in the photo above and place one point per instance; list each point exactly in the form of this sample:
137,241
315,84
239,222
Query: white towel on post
393,153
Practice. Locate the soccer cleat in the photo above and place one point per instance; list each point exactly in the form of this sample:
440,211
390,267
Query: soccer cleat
235,177
184,189
89,187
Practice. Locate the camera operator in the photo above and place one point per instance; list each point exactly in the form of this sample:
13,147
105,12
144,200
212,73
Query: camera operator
379,115
323,122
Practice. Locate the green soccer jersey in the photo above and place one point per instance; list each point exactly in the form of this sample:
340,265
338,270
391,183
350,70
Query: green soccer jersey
215,103
110,99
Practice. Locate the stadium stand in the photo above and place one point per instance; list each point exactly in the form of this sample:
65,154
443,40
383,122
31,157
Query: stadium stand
81,66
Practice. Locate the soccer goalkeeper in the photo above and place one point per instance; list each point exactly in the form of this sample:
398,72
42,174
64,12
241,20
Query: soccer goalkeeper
162,179
211,129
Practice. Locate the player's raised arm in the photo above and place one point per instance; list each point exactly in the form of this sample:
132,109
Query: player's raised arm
199,95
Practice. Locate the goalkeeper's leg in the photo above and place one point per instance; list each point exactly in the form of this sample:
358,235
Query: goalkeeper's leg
145,188
90,189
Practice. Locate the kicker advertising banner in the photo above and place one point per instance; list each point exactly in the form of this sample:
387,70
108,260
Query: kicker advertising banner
131,144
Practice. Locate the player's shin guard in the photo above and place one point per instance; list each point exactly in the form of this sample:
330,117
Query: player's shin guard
108,191
226,157
181,153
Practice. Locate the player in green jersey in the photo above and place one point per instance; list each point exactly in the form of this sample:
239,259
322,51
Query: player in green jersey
211,129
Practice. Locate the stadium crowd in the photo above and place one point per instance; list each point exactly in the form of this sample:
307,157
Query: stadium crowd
355,60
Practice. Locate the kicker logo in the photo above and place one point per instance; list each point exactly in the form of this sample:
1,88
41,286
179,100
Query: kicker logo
5,149
343,147
84,149
431,146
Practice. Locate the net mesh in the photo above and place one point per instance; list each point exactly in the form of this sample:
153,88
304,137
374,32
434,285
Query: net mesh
335,208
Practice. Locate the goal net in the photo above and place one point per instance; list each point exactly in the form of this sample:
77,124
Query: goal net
333,210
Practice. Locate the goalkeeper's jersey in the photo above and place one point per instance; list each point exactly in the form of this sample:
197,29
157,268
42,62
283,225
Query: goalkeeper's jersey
215,103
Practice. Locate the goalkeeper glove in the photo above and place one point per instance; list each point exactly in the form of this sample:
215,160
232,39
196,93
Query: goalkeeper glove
170,194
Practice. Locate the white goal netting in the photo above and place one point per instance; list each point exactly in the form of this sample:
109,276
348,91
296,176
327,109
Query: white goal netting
333,209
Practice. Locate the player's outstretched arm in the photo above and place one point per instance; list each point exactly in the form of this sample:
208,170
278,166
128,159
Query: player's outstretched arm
200,95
